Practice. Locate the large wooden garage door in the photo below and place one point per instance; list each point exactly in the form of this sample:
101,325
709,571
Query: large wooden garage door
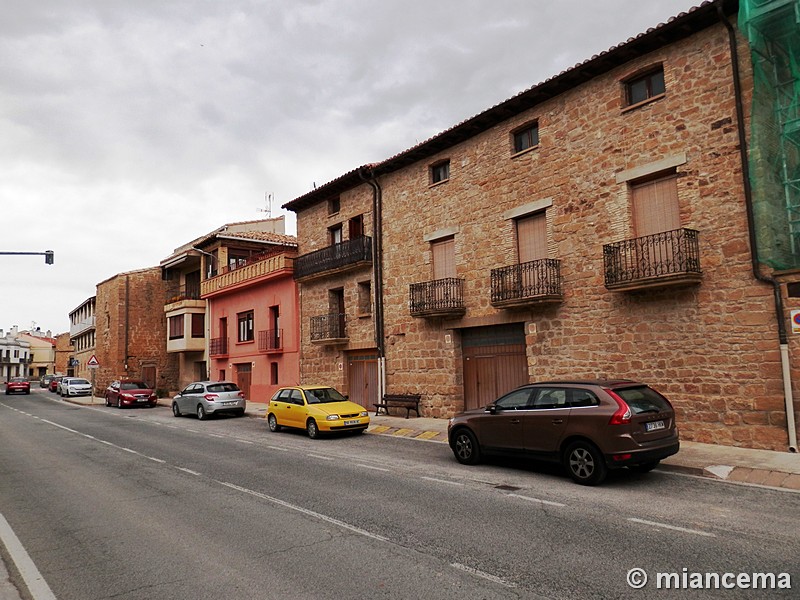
494,362
362,379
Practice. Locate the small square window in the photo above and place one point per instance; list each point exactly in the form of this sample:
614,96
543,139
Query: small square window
440,172
333,205
525,138
365,298
644,87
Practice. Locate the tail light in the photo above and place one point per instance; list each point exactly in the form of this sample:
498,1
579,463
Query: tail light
622,416
241,395
210,397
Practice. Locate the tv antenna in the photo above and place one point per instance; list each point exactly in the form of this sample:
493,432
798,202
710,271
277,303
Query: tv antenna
268,205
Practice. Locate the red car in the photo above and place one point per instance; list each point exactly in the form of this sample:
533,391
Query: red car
18,385
130,392
53,387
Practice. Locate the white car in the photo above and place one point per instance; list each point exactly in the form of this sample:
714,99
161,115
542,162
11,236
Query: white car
62,384
75,386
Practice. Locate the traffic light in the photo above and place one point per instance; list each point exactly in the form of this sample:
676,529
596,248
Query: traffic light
48,257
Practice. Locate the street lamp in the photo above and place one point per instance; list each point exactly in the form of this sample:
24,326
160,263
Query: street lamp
48,255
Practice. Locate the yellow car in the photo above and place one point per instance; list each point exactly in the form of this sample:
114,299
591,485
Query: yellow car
317,409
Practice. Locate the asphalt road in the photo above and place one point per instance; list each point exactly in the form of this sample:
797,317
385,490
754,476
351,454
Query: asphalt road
131,504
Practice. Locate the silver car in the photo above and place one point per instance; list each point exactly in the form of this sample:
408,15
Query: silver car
75,386
61,386
205,398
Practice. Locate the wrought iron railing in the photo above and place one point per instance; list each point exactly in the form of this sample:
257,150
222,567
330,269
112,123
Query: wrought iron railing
439,295
334,257
252,259
187,291
651,257
537,278
270,339
327,327
218,346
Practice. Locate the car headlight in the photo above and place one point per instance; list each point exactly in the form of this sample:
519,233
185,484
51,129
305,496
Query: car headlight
332,418
363,413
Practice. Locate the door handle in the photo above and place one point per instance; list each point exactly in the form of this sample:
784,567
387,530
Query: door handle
514,421
558,421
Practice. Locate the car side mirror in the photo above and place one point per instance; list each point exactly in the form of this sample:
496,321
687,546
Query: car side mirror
492,409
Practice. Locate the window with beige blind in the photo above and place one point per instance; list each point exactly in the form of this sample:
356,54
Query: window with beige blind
655,206
444,258
532,237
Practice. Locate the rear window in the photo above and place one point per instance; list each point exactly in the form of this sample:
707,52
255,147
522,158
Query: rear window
133,385
643,399
78,382
223,387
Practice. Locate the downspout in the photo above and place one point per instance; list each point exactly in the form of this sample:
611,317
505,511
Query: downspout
127,317
748,198
368,176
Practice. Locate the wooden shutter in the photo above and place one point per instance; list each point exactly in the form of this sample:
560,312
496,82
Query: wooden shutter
444,258
532,237
655,206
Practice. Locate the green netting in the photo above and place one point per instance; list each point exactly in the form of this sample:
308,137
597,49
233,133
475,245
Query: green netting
772,28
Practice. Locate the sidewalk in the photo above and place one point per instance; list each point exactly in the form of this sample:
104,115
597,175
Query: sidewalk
727,463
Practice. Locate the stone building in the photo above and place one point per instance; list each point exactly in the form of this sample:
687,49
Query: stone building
64,353
596,225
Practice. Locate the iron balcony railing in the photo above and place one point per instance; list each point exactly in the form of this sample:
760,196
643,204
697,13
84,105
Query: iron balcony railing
187,291
662,255
440,296
526,281
270,339
335,257
218,346
327,327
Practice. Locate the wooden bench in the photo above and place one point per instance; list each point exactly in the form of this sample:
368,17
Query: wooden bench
408,401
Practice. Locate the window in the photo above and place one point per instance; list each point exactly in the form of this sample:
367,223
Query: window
365,298
176,327
273,373
335,235
516,400
221,375
526,138
246,328
444,258
356,227
198,325
532,237
655,205
237,258
440,172
333,205
644,87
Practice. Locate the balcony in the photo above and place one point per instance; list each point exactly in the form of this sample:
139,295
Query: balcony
534,282
345,256
85,324
270,340
328,329
670,258
218,347
184,296
256,269
437,298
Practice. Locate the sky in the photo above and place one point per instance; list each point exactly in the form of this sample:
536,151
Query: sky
128,128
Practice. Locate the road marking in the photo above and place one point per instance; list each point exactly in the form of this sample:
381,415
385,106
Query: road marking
363,466
482,574
672,527
241,441
278,448
37,586
154,459
443,481
319,456
548,502
189,471
306,511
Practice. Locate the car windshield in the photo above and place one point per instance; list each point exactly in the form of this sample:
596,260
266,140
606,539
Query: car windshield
223,387
319,395
78,382
643,399
133,385
19,379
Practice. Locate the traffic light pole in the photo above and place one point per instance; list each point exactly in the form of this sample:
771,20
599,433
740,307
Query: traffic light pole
48,255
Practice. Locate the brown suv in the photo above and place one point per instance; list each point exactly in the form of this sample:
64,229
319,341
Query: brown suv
588,426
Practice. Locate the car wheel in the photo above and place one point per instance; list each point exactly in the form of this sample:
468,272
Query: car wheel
176,412
108,402
585,463
201,412
466,448
311,429
644,467
119,403
27,391
240,412
273,423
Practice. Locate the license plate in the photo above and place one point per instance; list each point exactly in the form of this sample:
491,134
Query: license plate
141,400
352,422
654,426
229,403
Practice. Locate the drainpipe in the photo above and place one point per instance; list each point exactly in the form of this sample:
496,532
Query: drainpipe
127,317
368,176
748,197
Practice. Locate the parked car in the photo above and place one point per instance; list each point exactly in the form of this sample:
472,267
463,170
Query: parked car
75,386
44,382
587,426
130,392
53,387
317,409
18,385
61,384
205,398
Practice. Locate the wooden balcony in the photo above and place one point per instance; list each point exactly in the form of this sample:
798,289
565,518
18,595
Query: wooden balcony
526,284
257,269
345,256
328,329
437,298
670,258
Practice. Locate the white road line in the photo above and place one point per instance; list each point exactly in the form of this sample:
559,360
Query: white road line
548,502
278,448
442,481
189,471
154,459
319,456
37,586
482,574
306,511
241,441
363,466
672,527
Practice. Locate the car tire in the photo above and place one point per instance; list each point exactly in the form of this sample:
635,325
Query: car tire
119,403
585,463
272,421
311,429
108,402
201,413
644,467
466,448
28,392
240,412
176,412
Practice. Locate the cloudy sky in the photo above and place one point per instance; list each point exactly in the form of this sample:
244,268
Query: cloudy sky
128,128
